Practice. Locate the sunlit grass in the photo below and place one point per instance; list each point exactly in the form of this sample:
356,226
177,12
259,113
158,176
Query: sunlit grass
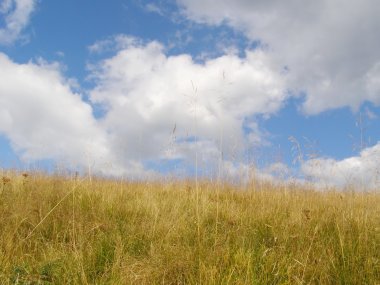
57,230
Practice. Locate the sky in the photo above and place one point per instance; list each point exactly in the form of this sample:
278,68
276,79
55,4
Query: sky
276,89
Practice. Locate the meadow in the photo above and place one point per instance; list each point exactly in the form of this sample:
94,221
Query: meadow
56,229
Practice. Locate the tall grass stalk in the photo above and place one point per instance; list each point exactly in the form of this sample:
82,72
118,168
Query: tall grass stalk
195,93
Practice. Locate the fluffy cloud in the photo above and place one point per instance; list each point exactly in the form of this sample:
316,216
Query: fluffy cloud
157,107
16,14
357,171
331,48
169,107
44,119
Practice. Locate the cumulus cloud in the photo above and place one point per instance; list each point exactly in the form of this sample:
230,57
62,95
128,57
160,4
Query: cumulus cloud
157,107
331,48
16,14
169,107
357,171
44,119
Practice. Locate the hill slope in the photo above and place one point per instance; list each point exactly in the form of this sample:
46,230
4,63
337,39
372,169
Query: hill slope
56,230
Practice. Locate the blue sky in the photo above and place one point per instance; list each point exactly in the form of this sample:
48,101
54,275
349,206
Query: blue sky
137,88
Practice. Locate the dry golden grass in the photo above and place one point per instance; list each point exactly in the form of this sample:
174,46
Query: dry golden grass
56,230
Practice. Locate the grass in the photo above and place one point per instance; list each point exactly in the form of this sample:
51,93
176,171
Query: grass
57,230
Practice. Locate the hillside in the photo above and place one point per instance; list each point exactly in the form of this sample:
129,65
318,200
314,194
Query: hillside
60,230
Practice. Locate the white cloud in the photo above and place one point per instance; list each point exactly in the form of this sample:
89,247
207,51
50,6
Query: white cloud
153,8
157,107
372,81
330,47
44,119
276,173
113,44
16,14
357,171
147,93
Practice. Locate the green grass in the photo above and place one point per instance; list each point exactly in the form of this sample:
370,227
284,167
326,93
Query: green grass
56,230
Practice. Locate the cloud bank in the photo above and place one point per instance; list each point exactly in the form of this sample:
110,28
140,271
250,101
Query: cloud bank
160,107
331,48
156,107
357,171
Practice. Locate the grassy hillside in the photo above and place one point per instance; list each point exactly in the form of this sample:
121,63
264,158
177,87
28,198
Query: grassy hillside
56,230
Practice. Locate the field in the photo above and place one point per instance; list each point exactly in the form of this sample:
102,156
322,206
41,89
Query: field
61,230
